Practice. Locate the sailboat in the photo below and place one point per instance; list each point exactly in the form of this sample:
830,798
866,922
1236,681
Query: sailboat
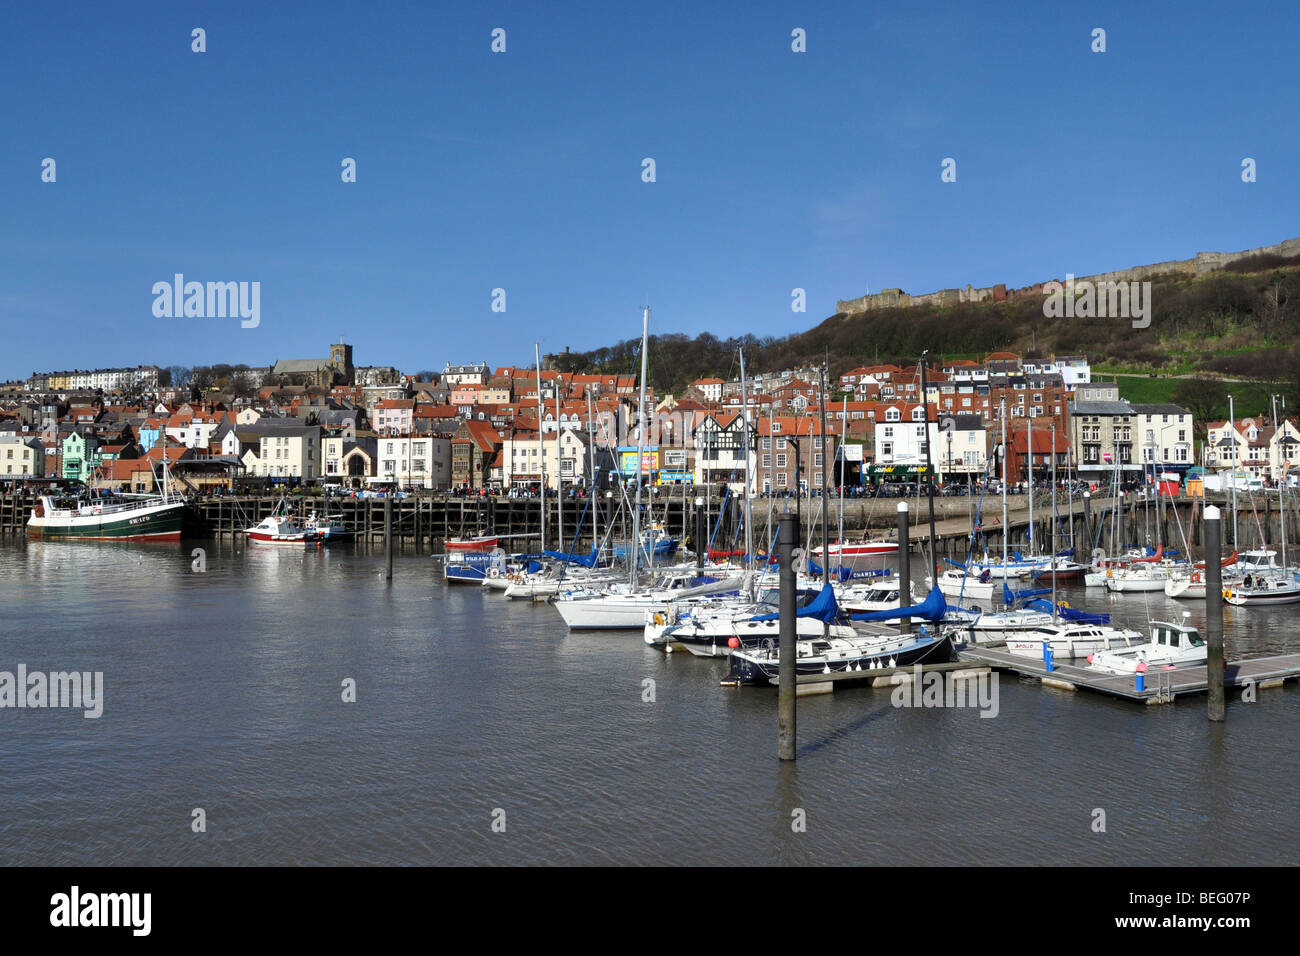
628,605
868,648
1272,586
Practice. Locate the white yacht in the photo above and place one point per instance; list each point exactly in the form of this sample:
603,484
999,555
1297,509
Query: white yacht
1171,645
1072,640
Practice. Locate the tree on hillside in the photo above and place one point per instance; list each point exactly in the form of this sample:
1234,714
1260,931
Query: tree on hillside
1205,398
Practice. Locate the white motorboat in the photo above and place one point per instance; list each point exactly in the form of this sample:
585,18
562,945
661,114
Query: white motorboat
586,609
882,595
1138,578
1190,582
996,627
1171,646
1277,587
329,529
281,529
956,583
1072,640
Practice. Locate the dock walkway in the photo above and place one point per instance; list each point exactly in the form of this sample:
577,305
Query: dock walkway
1162,686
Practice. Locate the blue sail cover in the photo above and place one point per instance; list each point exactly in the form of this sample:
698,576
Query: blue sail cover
586,560
843,574
1069,613
932,609
662,548
1011,597
823,607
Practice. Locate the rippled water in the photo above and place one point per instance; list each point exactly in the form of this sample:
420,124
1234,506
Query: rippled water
223,691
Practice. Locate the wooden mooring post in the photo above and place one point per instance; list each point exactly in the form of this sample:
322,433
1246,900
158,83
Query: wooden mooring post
788,691
388,537
1214,665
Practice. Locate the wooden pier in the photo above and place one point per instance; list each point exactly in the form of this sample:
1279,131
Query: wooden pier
429,517
1162,686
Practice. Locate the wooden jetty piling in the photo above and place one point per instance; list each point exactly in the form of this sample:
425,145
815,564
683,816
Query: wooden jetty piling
388,537
787,690
1214,612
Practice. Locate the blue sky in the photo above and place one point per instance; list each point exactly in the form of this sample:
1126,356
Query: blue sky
522,170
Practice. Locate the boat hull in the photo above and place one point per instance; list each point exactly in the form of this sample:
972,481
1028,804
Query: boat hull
748,669
473,544
157,523
299,540
607,613
1073,648
862,549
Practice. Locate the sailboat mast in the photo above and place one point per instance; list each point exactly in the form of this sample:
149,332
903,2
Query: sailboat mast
541,449
1069,486
1032,548
640,448
1002,414
929,476
1281,503
744,446
559,477
839,453
826,537
595,494
1232,425
1052,565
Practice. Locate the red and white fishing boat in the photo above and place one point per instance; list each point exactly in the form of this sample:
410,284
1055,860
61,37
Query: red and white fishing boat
282,529
481,543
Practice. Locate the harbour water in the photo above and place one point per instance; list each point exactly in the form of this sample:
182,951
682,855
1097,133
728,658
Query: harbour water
223,690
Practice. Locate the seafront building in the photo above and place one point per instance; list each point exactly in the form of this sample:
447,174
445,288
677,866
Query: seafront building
475,428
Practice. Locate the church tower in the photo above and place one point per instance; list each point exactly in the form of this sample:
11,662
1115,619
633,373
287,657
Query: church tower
341,359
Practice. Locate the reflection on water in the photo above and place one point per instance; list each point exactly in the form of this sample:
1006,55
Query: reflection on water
223,690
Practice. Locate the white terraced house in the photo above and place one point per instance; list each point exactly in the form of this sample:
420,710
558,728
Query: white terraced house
422,461
1164,436
285,451
21,456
